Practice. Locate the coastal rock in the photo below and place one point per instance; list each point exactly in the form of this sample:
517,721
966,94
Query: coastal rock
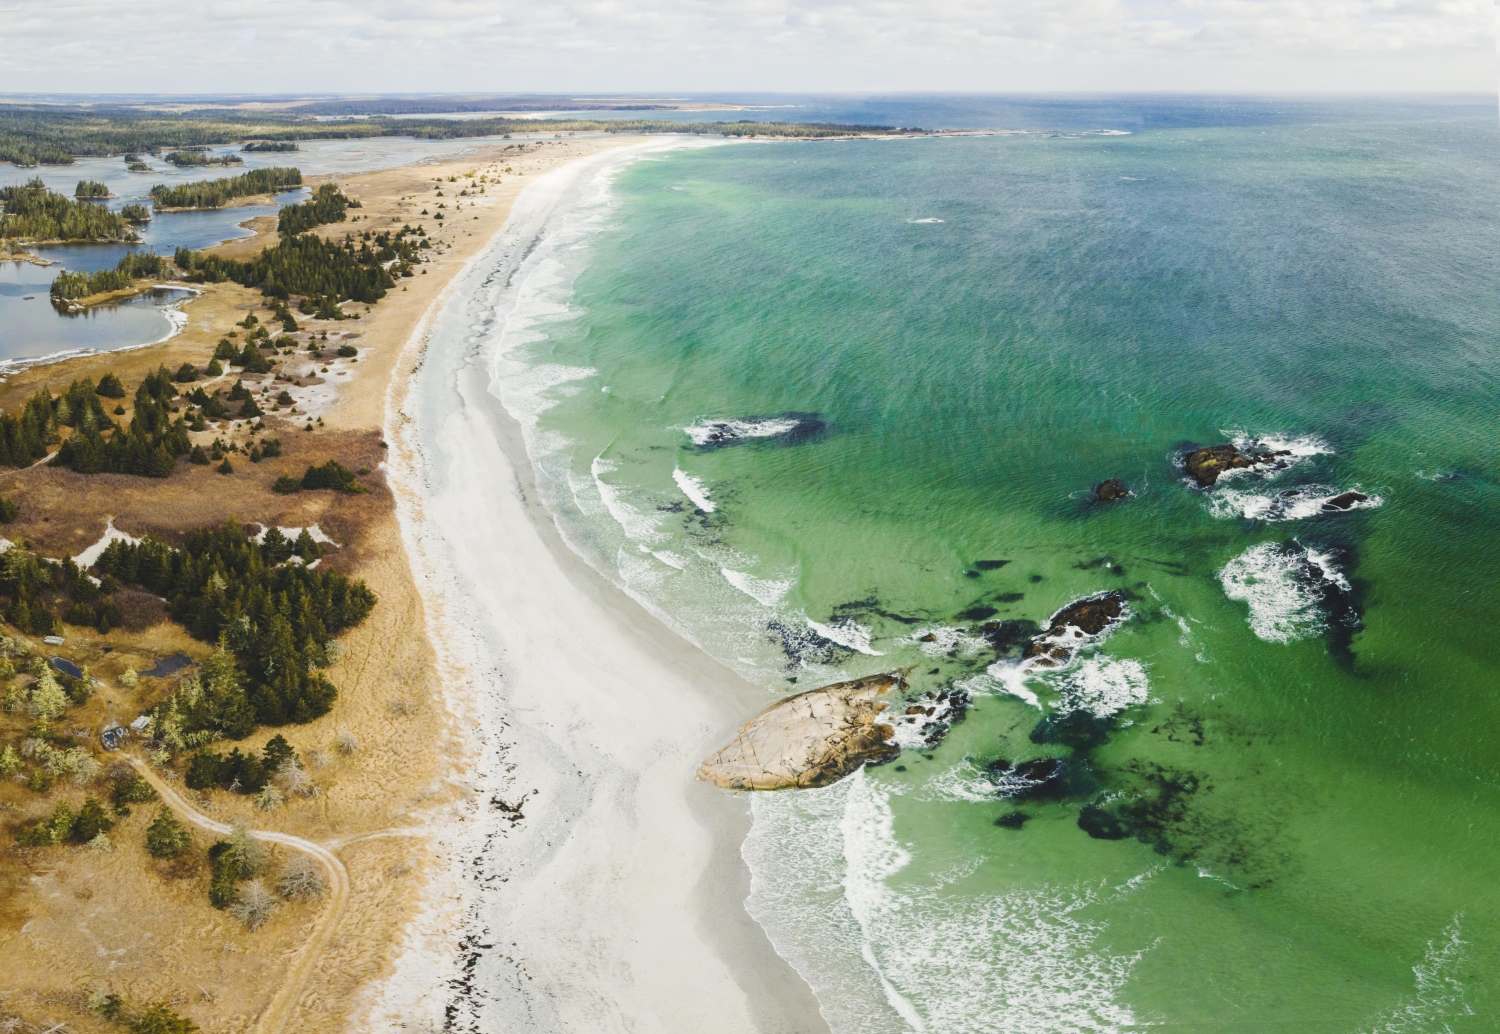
1086,617
1345,501
1206,464
1111,490
811,739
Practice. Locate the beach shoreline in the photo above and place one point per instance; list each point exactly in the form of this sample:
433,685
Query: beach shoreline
585,718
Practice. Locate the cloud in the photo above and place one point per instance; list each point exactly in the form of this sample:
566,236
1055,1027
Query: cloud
276,46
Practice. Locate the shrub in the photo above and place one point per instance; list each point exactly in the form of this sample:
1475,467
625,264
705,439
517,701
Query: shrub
301,878
332,474
131,790
166,837
269,798
92,821
347,351
8,511
128,678
286,484
254,906
186,373
161,1019
224,350
345,743
110,387
198,456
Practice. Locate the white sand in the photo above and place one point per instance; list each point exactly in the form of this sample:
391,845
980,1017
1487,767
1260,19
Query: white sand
614,901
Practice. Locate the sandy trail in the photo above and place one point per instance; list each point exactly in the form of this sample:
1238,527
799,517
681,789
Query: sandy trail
279,1011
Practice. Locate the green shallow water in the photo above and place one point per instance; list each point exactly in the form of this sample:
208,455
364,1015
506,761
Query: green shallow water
1322,796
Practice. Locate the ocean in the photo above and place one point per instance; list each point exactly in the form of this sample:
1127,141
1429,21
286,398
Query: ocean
837,408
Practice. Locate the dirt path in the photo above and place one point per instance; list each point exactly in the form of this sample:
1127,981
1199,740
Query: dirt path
279,1012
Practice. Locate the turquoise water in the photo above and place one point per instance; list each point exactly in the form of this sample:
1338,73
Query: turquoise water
934,349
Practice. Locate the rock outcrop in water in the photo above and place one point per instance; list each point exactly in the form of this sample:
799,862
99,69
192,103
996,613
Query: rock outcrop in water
811,739
1345,501
1086,617
1110,491
1206,464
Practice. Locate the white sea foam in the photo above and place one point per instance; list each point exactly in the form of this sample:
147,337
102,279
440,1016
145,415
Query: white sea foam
768,592
1103,686
923,957
638,525
963,782
847,633
944,639
692,487
1275,582
1308,501
928,219
719,432
1440,989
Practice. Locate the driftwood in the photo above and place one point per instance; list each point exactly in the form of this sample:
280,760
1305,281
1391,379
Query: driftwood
811,739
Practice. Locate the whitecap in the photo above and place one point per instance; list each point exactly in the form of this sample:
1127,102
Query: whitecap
1292,505
941,640
692,487
768,592
638,525
1283,593
1439,993
724,432
929,219
1103,686
847,633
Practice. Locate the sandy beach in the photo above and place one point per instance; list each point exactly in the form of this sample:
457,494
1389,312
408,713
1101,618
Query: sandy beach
592,884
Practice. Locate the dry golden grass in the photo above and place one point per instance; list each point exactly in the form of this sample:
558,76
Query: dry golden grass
72,921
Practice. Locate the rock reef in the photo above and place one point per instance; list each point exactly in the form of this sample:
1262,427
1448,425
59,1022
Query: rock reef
1086,617
1205,465
1110,491
811,739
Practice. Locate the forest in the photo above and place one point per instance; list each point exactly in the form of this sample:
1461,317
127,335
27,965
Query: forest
214,193
91,189
149,447
194,158
328,205
32,212
131,267
276,146
273,615
54,134
314,268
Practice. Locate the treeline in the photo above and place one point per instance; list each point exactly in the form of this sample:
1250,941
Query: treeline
131,267
276,617
214,193
91,189
277,146
32,212
328,205
50,134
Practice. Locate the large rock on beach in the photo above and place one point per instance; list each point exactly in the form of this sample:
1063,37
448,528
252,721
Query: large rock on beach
1206,464
811,739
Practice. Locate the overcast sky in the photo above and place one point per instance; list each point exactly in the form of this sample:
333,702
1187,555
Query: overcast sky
676,46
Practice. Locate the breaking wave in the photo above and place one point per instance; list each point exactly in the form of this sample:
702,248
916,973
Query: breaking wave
1285,585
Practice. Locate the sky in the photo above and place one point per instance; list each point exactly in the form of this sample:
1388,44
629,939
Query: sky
697,46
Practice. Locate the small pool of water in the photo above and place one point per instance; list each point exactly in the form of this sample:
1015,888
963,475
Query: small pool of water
30,328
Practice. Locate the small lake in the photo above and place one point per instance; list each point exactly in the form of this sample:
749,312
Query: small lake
32,328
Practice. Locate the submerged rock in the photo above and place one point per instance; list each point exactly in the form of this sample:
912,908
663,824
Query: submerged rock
1345,501
1206,464
811,739
1013,820
1109,491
